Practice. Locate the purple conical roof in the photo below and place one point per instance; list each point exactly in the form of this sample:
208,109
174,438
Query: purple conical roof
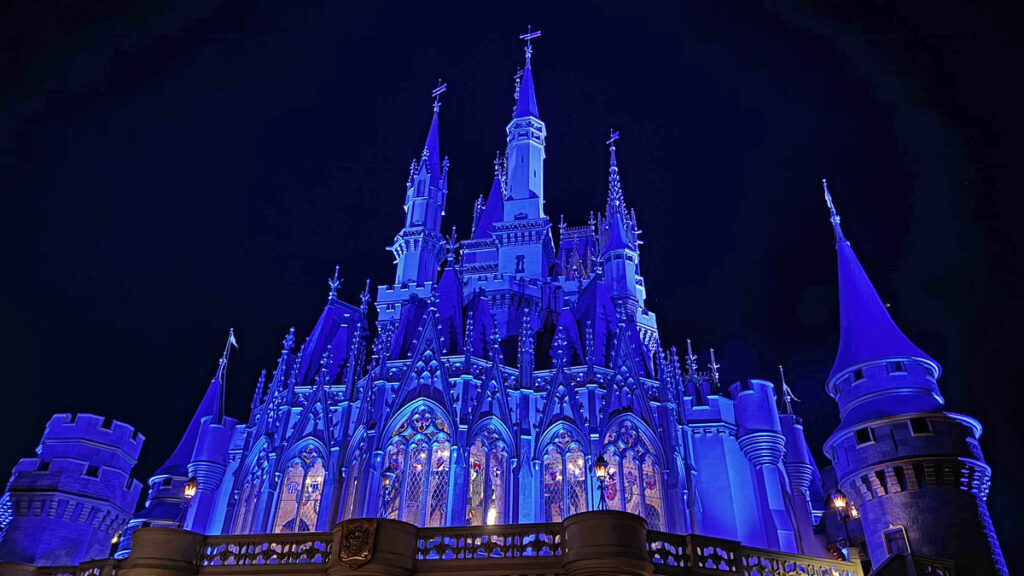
526,105
432,152
867,332
209,407
492,211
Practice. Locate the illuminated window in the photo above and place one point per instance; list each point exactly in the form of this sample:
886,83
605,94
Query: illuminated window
248,500
301,491
488,461
564,483
633,481
416,477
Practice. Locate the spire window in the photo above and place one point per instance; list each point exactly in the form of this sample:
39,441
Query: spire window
301,490
248,501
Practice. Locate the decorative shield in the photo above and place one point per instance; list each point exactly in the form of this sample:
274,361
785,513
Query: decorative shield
357,539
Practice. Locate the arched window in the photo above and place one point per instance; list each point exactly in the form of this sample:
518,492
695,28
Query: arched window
353,482
633,482
564,478
488,460
249,498
301,490
414,486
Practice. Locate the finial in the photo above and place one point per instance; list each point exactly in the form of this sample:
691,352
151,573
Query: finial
436,93
611,143
615,201
364,297
833,216
691,360
518,81
530,35
787,394
714,366
289,341
452,244
334,283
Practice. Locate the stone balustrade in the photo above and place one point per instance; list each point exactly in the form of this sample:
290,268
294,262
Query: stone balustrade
587,544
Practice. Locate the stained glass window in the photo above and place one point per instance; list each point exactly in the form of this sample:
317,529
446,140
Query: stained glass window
485,496
301,490
565,478
652,494
634,479
553,485
416,478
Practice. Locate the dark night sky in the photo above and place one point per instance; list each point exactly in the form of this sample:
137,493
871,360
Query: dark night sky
172,169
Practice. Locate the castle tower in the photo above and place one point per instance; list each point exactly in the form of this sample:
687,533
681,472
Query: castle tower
66,504
201,455
620,258
419,247
915,472
524,235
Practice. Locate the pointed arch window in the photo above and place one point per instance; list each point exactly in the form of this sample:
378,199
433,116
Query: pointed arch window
416,478
633,483
249,498
564,478
488,462
354,482
301,491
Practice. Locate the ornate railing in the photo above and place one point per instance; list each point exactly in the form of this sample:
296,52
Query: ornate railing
509,541
105,567
259,549
672,552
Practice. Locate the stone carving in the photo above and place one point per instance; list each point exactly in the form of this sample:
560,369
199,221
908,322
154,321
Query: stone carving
357,539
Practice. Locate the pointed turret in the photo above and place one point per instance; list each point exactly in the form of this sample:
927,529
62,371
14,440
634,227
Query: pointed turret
523,235
867,332
210,407
619,257
419,247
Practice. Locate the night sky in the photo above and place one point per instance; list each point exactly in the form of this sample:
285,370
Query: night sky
170,170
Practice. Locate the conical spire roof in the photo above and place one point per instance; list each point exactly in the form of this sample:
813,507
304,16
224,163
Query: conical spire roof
432,151
492,211
526,105
867,332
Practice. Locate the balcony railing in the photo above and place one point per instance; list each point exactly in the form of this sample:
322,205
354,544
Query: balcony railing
511,549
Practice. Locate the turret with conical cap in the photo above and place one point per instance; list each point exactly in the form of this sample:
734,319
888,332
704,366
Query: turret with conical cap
419,247
915,474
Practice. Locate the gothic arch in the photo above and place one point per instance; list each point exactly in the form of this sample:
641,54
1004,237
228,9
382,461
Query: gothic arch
416,474
252,484
304,471
634,482
356,470
562,455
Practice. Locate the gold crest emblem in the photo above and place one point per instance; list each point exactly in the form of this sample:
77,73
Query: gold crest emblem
357,539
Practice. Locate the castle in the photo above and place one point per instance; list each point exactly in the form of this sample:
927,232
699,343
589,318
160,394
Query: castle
506,378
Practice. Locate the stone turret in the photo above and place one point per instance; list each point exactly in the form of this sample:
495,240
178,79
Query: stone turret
915,473
66,504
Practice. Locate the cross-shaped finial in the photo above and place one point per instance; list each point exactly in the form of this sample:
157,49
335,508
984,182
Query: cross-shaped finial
436,93
611,140
714,367
365,296
334,283
530,35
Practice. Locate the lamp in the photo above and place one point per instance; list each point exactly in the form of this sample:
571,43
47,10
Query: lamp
601,471
191,487
839,500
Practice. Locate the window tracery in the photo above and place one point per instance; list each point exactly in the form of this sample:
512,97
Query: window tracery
633,481
488,459
249,498
417,471
564,479
301,491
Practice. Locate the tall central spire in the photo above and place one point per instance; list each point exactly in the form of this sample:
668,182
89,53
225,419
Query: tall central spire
526,105
867,332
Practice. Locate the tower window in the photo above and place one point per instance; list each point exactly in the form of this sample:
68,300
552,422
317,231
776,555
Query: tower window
93,471
858,374
896,541
865,436
919,476
43,466
901,478
896,367
166,482
919,426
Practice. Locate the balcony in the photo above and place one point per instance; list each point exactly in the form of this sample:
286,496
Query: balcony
591,543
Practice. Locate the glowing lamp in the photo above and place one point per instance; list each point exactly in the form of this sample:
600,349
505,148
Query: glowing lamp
600,468
116,538
854,513
839,500
191,487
